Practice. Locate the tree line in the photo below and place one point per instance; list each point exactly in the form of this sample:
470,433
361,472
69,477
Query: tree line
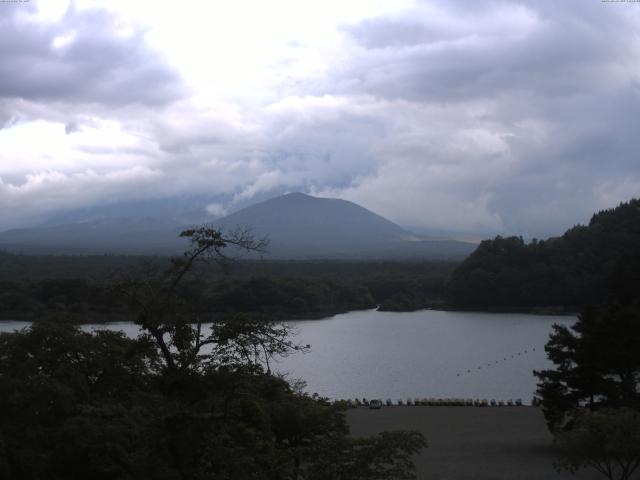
559,274
84,286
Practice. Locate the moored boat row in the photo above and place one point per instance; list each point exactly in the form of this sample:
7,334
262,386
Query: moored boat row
434,402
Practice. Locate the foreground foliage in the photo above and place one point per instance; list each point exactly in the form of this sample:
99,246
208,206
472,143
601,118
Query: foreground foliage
178,402
597,360
607,440
597,364
591,399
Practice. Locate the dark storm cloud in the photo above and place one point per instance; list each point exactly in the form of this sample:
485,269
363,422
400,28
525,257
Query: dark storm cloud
301,144
493,116
555,82
83,57
547,50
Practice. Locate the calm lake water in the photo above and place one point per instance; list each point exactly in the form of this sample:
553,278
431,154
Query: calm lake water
416,354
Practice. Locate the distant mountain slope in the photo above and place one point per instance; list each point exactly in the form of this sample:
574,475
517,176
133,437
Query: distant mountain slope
302,226
111,235
298,226
569,271
299,216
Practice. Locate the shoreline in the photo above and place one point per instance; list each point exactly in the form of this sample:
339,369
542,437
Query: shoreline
540,311
106,318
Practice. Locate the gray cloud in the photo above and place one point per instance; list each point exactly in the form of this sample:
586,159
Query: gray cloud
494,117
81,58
538,48
560,87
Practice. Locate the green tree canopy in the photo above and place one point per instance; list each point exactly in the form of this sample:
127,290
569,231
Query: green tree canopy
597,363
607,440
568,272
178,402
597,360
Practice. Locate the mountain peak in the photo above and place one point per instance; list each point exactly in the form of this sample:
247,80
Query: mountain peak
296,195
292,197
299,198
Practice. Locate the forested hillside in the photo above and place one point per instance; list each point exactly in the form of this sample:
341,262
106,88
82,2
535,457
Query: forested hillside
34,287
563,273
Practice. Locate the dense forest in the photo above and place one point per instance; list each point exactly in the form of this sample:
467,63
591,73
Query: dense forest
33,287
558,274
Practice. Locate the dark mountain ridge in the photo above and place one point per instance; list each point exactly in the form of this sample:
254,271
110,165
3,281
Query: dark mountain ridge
99,236
298,226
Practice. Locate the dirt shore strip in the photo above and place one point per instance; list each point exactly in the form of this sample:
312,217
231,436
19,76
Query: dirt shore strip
465,443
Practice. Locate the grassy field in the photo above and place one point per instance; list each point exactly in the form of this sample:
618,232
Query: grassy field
472,443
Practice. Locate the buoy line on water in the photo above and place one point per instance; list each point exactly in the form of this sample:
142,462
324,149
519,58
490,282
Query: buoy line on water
497,362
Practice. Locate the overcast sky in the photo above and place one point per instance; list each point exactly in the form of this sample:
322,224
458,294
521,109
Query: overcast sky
484,116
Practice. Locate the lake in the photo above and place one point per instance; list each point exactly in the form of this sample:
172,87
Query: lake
427,353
